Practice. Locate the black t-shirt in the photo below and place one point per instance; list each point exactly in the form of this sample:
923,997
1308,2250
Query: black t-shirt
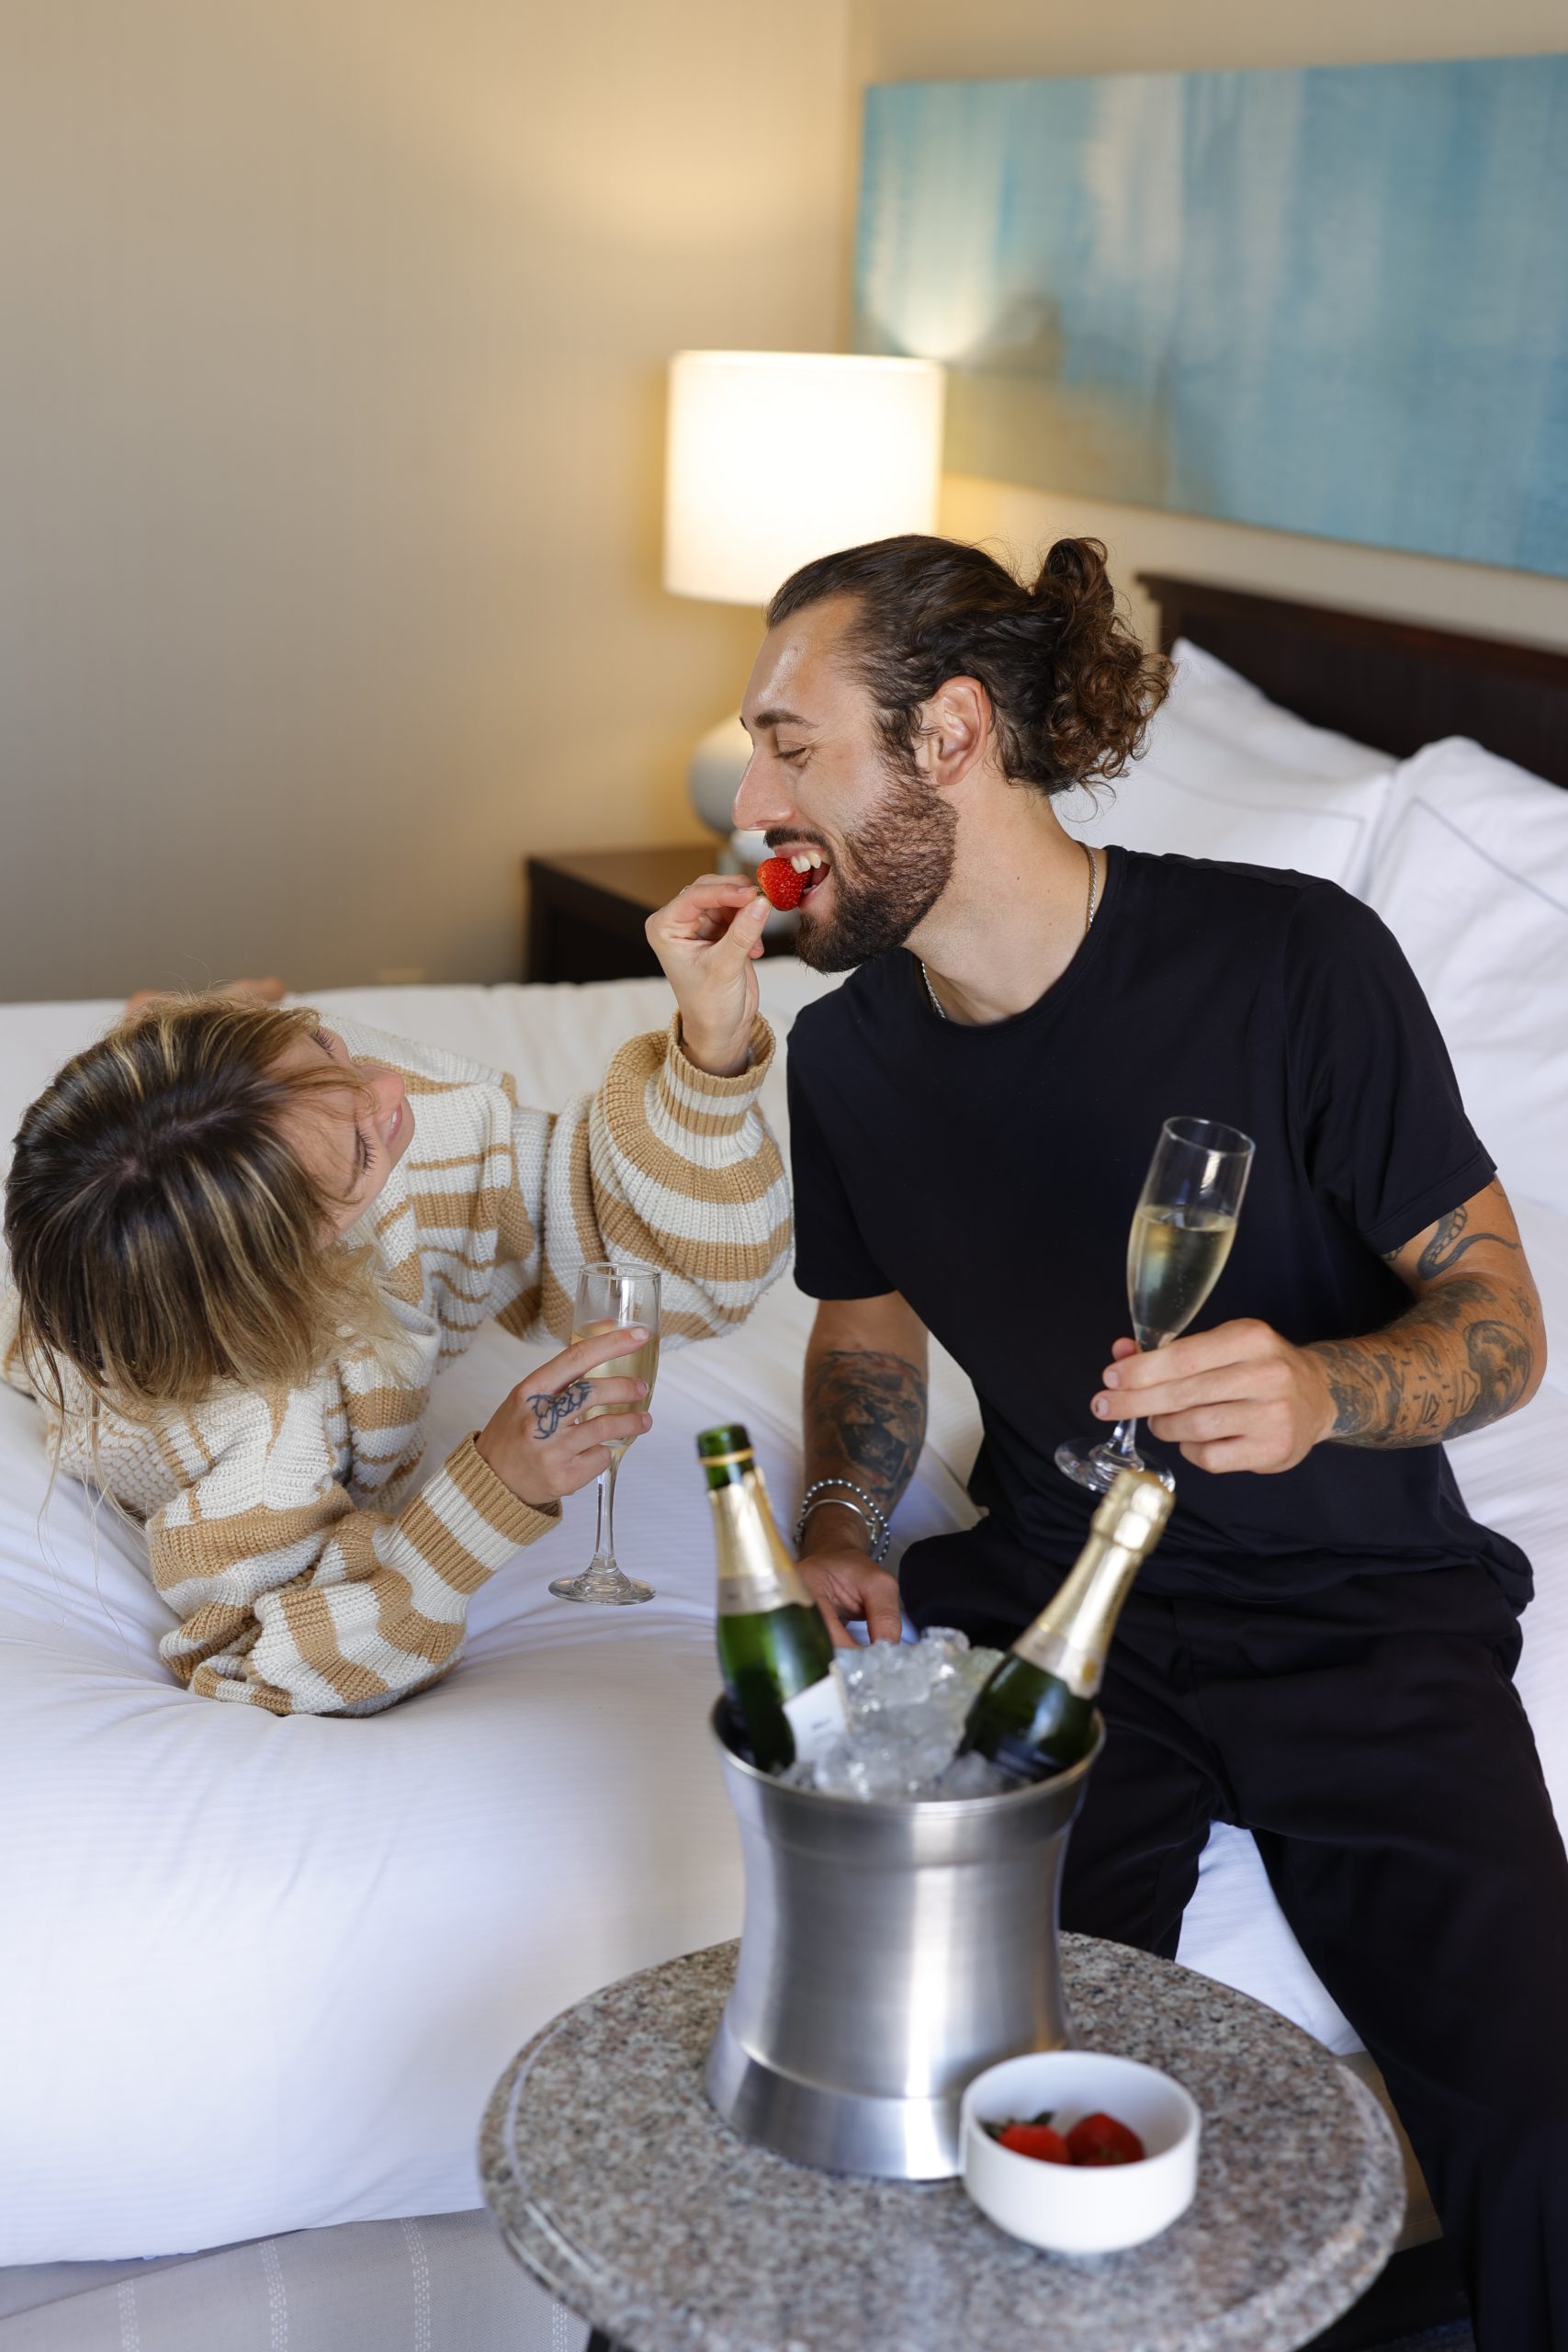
989,1174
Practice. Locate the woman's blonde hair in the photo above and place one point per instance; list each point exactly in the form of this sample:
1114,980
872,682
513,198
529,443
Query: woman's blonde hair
163,1236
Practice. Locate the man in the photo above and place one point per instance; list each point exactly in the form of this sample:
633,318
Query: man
1321,1649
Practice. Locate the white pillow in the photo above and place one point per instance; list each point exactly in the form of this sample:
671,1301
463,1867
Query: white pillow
1545,1237
1229,774
1471,875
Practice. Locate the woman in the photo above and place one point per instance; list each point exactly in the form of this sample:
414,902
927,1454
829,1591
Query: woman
242,1245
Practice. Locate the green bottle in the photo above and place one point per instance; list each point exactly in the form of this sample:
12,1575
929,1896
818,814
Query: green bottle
775,1651
1035,1716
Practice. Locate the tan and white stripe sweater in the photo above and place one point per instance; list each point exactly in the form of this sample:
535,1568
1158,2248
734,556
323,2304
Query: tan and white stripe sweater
285,1530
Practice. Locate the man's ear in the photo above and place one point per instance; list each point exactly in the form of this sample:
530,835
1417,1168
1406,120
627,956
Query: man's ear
955,731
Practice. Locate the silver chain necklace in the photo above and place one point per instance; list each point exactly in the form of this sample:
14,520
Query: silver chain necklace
937,1005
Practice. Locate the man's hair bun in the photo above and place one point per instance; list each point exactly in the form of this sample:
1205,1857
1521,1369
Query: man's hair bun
1071,687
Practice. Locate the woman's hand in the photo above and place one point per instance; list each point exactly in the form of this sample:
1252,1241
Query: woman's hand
708,941
538,1442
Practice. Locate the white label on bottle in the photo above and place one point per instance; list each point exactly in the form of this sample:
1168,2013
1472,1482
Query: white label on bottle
818,1716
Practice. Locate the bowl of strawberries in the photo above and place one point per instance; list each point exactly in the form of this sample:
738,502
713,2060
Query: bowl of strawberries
1077,2152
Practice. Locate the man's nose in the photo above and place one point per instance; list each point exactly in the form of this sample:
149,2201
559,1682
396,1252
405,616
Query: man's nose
760,801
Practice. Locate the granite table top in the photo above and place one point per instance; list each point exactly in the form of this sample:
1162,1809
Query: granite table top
621,2190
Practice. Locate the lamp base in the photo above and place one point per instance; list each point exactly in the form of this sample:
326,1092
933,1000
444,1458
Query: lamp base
742,854
712,778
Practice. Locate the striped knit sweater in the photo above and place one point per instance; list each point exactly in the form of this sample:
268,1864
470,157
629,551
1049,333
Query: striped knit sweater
285,1529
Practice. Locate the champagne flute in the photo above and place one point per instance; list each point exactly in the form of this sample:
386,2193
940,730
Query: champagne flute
1182,1230
609,1297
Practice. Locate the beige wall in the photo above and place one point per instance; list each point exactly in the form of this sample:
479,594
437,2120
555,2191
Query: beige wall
914,39
330,408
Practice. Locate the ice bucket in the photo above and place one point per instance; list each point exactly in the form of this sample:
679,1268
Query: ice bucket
889,1952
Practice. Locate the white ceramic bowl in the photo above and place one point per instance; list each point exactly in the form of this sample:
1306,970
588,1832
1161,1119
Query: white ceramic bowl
1080,2209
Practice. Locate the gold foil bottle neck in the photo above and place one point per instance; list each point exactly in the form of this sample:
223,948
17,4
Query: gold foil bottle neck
755,1572
1071,1636
1134,1513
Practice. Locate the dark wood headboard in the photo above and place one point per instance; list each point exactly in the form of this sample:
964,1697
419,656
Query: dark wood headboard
1395,684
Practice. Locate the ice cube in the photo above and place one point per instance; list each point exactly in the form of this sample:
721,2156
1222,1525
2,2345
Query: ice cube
970,1776
833,1775
857,1673
905,1676
907,1702
878,1767
975,1670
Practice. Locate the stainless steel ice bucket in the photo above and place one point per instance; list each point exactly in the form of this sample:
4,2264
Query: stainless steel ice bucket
890,1952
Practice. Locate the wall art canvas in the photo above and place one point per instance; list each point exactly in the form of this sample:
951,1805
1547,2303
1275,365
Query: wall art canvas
1332,300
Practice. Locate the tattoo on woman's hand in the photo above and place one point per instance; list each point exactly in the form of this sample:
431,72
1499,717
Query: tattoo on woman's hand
550,1412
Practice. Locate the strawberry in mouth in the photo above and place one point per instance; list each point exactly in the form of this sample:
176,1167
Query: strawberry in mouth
788,882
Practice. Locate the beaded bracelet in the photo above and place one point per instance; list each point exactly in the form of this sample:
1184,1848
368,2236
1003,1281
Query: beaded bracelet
873,1515
848,1486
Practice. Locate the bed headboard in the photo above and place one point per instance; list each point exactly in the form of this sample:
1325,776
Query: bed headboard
1397,684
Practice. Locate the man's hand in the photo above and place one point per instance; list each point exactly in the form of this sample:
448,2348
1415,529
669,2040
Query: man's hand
846,1585
1472,1347
708,941
1237,1397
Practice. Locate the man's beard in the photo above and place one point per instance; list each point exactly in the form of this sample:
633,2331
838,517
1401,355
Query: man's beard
888,876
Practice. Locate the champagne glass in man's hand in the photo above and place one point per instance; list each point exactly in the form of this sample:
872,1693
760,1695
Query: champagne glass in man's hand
1182,1230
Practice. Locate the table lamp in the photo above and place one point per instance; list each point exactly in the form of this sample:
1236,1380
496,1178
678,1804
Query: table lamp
776,456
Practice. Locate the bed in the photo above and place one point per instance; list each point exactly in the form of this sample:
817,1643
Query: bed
255,1998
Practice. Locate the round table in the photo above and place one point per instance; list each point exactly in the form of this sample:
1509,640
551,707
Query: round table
620,2190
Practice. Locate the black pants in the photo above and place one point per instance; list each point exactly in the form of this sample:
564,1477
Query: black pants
1371,1739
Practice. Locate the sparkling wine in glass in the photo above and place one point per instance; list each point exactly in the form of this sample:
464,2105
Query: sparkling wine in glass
1182,1230
610,1297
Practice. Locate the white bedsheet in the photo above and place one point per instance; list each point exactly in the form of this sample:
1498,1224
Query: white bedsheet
260,1975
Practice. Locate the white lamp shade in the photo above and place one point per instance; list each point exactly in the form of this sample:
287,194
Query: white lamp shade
777,456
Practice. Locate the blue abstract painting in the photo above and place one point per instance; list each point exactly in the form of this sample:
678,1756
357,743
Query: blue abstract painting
1331,300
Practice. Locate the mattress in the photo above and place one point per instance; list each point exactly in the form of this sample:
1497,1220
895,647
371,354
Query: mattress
262,1974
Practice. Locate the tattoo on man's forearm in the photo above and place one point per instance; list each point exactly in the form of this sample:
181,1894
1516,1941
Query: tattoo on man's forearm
550,1412
1452,1238
866,1413
1456,1360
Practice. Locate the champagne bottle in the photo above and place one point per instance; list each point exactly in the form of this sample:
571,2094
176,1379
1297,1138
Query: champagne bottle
775,1651
1035,1716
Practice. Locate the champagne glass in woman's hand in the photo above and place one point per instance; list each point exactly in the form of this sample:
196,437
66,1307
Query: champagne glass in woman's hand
1182,1230
612,1298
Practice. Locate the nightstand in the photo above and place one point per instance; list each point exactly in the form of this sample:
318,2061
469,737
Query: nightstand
586,909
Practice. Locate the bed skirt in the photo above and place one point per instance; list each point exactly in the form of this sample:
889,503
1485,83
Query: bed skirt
444,2283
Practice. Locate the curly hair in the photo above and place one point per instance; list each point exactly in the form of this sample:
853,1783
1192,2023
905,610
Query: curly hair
1071,688
163,1236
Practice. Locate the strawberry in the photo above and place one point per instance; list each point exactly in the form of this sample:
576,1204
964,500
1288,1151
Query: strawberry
1100,2140
780,884
1036,2140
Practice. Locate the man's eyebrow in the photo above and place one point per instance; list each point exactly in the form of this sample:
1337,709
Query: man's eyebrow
782,719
